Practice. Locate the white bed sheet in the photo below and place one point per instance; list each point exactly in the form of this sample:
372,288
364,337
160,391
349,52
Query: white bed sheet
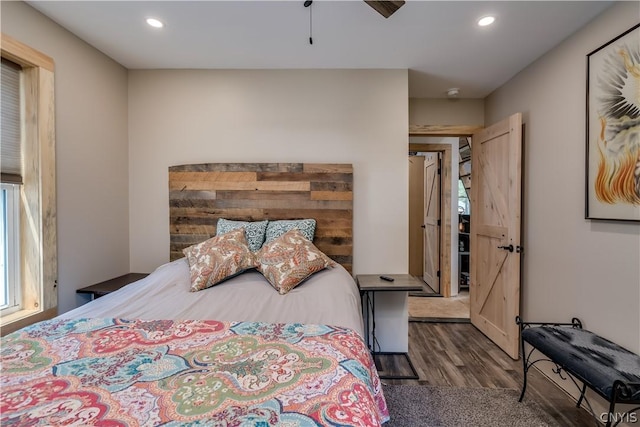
329,297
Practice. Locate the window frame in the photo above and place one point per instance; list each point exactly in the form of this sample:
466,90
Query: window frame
39,265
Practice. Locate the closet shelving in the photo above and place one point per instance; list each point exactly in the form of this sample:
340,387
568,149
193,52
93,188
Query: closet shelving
464,220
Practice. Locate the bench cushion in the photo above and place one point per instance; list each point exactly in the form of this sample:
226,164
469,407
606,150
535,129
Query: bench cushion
591,358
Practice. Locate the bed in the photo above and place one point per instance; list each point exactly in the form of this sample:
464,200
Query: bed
235,354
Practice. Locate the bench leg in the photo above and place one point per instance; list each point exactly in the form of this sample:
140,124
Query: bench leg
612,405
584,389
524,386
525,368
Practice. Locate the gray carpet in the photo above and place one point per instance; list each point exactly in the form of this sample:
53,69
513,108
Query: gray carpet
424,406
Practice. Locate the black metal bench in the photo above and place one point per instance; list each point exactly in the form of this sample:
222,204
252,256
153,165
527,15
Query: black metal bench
608,369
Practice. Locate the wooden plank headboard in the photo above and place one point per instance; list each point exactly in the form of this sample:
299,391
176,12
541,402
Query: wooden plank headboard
199,194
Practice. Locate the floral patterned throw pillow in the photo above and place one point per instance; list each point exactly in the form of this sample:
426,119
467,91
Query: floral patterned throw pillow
255,231
218,259
276,229
288,260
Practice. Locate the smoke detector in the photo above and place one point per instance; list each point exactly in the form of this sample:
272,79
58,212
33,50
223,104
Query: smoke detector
453,92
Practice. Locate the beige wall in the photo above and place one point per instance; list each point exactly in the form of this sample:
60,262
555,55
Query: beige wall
199,116
91,152
432,111
572,266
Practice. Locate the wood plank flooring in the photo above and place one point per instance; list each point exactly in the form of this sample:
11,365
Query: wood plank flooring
457,354
456,307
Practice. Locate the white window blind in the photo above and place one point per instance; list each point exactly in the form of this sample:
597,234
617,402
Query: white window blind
11,167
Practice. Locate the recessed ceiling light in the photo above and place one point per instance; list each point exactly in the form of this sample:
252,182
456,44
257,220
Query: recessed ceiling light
486,20
155,23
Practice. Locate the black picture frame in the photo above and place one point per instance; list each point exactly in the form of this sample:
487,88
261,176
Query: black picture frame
612,166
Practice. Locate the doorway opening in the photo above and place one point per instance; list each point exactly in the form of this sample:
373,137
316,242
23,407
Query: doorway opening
454,208
446,212
424,220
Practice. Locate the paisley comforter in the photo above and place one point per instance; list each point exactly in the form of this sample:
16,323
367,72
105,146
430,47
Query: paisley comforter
117,372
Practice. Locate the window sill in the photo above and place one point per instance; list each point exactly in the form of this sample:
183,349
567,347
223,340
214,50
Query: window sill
19,319
17,315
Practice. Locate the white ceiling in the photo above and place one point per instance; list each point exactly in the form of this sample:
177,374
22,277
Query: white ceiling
438,41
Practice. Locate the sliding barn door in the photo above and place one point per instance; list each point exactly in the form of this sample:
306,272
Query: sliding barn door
495,232
432,221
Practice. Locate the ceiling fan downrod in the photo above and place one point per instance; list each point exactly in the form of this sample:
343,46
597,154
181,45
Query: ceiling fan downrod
308,3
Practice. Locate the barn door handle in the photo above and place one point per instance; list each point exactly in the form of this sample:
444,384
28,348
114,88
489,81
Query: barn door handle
506,248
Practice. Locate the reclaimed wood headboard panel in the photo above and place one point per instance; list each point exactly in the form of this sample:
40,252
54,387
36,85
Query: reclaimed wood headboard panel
199,194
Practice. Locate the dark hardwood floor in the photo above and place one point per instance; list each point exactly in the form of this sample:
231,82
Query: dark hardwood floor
457,354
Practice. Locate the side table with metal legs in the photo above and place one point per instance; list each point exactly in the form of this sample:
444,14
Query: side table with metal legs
369,285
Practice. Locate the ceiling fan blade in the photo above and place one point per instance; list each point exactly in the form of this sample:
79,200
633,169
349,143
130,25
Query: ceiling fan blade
385,8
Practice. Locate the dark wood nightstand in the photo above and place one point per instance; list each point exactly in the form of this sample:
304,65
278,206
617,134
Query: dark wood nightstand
108,286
